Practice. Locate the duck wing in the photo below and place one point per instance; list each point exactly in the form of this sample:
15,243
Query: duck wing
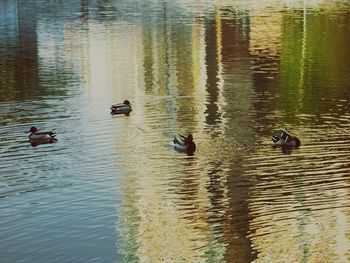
180,139
286,135
118,105
50,133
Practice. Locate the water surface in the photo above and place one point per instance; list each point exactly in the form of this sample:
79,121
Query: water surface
231,73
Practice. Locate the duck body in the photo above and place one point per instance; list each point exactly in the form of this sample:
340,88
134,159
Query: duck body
184,143
285,139
41,137
121,108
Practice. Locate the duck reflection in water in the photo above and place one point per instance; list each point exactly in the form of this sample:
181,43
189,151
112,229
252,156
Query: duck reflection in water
36,137
184,143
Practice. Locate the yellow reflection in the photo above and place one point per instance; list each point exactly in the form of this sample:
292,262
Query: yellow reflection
164,233
265,33
317,236
199,69
257,4
169,218
302,227
108,68
220,83
171,222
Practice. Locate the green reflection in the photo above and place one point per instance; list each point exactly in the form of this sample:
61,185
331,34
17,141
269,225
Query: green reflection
315,48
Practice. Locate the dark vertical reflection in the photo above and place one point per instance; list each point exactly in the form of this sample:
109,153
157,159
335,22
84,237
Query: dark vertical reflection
19,58
27,60
8,47
237,225
212,113
148,62
236,67
84,10
165,31
265,52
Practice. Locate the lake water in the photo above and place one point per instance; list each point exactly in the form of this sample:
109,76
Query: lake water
232,73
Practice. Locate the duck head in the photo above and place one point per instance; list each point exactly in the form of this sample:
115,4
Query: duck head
126,102
189,138
33,129
297,142
191,146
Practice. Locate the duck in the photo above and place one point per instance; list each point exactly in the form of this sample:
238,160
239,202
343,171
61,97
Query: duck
121,108
37,137
286,140
184,143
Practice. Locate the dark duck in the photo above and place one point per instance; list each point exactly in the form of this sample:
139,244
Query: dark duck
121,108
285,139
184,143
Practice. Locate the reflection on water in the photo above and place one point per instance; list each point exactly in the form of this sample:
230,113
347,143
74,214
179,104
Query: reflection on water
113,189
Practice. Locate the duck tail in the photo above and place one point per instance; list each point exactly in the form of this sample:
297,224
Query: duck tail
52,133
176,140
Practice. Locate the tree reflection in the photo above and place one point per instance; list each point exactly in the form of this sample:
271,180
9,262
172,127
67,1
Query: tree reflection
19,64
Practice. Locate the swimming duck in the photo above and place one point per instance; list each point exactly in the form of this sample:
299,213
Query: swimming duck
286,140
184,143
37,137
121,108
